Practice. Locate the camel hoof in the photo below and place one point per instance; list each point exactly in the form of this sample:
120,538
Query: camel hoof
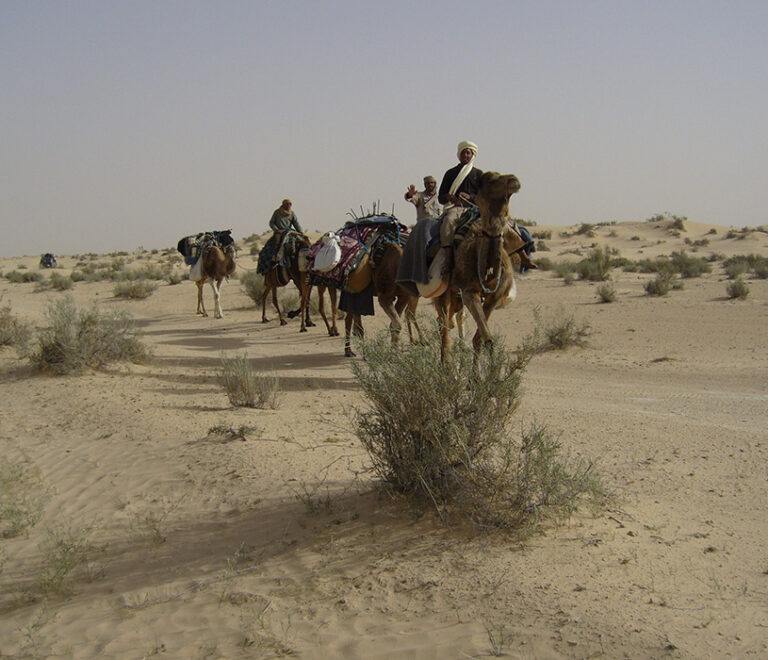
303,330
264,319
283,322
349,353
310,324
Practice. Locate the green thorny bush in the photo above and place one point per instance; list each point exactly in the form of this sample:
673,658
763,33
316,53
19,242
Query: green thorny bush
79,339
441,433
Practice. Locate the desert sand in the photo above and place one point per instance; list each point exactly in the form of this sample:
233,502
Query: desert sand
275,541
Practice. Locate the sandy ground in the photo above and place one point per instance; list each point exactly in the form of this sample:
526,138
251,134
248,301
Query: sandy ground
204,545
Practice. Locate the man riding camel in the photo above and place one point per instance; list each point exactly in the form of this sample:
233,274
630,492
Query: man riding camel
282,220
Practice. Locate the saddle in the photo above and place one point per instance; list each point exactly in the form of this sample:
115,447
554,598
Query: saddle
360,244
192,247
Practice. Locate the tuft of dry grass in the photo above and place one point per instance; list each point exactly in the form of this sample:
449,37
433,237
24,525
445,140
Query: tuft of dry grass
246,388
134,289
737,289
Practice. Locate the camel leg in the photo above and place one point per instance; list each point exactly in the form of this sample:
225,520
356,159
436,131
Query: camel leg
410,316
334,295
441,305
277,307
267,288
321,309
216,286
352,323
200,303
304,288
395,326
483,334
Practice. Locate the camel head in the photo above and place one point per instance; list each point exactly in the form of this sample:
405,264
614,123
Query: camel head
493,196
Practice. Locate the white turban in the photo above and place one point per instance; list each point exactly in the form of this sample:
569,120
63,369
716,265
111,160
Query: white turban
467,145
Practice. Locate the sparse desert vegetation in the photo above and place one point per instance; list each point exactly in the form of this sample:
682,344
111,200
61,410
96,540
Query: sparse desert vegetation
146,508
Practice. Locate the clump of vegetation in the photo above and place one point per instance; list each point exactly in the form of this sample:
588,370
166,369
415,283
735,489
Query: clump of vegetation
450,443
544,263
56,281
18,277
253,284
21,497
14,332
742,264
737,288
544,235
541,246
79,339
556,333
596,267
586,229
606,292
63,551
689,266
134,289
564,268
246,388
662,284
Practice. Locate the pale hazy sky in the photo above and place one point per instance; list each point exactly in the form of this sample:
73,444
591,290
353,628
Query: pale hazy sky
126,124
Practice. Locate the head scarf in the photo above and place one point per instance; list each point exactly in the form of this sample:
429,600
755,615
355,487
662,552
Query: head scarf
464,171
465,144
429,178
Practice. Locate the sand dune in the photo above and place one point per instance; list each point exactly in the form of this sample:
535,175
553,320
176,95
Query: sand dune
212,545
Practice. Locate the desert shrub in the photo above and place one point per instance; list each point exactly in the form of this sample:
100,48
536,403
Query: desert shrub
735,267
621,262
21,497
559,331
544,235
761,269
13,332
586,229
175,278
678,222
712,231
253,284
738,288
606,292
254,249
541,246
544,263
246,388
569,279
689,266
596,267
659,265
78,339
661,285
134,289
17,277
63,550
449,442
56,281
564,268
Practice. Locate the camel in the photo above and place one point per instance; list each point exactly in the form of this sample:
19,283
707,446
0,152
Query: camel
393,299
273,280
482,277
216,265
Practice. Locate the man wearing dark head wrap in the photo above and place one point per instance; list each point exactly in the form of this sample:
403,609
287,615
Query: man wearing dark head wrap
425,201
282,220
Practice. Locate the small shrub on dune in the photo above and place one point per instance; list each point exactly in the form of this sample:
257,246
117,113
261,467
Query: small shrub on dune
735,267
606,292
544,263
80,339
689,266
56,281
246,388
134,289
13,332
596,267
253,284
17,277
556,333
175,278
448,442
738,288
564,268
661,285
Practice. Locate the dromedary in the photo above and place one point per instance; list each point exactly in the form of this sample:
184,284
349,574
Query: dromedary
482,275
393,299
274,278
216,265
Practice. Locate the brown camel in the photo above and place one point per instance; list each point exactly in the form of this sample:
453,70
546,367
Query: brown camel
393,299
216,265
482,277
280,276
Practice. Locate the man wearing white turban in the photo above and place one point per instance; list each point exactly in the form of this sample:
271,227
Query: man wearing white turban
457,192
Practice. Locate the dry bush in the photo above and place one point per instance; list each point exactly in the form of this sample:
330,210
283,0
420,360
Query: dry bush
596,267
440,434
253,285
17,277
22,497
662,284
14,332
689,266
246,388
79,339
556,333
606,292
134,289
738,288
